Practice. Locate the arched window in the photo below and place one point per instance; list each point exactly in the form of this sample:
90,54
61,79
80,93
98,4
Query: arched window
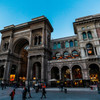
54,46
35,41
5,46
84,35
67,44
57,55
66,54
59,45
71,43
89,48
75,43
39,40
89,35
74,53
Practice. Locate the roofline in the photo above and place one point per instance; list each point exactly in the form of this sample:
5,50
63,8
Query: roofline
64,38
34,20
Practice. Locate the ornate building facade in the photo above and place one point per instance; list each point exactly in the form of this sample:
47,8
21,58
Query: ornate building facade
27,53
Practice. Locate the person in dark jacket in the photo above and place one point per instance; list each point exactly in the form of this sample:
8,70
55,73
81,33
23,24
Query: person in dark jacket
43,93
12,94
24,93
29,92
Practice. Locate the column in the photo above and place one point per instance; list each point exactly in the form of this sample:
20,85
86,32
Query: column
8,71
37,70
60,73
42,68
71,76
43,37
49,77
28,71
82,53
5,72
98,50
10,42
30,40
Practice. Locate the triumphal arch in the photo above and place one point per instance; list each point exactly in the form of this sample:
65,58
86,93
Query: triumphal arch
25,50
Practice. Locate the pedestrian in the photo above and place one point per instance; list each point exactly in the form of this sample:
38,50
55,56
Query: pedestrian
61,86
12,94
24,94
29,92
43,93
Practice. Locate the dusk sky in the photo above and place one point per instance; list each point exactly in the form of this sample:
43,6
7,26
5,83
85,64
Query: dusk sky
61,13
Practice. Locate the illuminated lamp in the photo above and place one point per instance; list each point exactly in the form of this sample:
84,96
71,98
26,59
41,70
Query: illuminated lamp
34,78
24,78
89,51
58,81
12,77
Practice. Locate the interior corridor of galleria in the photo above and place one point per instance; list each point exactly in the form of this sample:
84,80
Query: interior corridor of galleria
27,53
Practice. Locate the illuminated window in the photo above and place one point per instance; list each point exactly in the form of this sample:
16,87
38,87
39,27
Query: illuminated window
89,48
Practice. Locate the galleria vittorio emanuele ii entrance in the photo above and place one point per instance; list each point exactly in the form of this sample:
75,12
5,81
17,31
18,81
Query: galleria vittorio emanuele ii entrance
28,55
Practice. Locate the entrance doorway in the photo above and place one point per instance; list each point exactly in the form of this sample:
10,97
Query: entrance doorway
65,76
37,71
21,49
94,74
1,72
77,76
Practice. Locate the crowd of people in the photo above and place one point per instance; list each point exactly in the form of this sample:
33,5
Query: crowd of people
26,93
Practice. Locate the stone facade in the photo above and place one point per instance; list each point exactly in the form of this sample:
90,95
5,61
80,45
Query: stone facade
27,51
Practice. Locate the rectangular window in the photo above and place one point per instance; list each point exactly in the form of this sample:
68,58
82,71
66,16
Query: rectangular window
58,45
75,43
54,46
67,44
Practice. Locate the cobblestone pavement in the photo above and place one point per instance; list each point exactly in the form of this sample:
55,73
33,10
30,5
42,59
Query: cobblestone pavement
52,95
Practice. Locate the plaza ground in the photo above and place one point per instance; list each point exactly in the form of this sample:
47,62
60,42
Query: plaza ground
54,94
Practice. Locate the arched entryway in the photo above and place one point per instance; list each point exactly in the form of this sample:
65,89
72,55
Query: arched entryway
94,73
77,76
21,49
1,72
54,75
37,71
65,76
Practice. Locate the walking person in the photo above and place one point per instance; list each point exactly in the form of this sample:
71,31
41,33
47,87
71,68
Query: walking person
12,94
43,93
29,92
23,94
